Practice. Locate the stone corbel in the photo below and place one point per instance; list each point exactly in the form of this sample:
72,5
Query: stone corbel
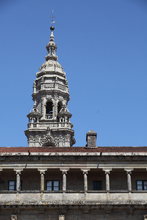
85,171
13,217
61,217
129,170
18,171
107,171
64,170
42,171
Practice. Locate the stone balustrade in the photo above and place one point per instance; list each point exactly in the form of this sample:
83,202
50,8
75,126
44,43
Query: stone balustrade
52,125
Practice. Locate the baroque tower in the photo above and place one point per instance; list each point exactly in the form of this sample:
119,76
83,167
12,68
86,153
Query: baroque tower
49,121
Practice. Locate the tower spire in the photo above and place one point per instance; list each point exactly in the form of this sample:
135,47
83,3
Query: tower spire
51,46
49,122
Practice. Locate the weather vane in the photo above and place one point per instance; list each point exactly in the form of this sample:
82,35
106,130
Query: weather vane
52,18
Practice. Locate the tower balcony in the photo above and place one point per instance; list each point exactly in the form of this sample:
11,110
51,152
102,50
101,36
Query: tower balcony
47,123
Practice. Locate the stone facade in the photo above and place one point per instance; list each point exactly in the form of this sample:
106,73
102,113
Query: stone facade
116,196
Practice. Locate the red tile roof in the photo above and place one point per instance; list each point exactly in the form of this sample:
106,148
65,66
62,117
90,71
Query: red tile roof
71,149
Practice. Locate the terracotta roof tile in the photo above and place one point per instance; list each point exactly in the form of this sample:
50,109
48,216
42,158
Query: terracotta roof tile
72,149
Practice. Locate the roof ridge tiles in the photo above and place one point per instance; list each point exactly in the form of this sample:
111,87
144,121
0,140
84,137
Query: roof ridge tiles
74,149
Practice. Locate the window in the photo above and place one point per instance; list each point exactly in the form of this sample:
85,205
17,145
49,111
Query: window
141,185
97,185
53,185
49,109
11,185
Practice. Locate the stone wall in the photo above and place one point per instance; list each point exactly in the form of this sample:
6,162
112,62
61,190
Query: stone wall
87,213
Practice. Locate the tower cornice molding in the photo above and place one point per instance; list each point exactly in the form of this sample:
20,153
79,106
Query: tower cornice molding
43,93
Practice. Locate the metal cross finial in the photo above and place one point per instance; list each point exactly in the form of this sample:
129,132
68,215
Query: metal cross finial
52,17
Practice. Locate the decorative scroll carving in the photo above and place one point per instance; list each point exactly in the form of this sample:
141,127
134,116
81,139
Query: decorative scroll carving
47,141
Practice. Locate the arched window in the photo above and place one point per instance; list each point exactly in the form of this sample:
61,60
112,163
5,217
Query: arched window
49,109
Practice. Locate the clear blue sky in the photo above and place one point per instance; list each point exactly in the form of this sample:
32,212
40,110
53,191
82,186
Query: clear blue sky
102,45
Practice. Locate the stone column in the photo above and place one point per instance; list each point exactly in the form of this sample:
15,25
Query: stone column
43,107
42,173
85,173
107,176
54,109
129,181
64,182
18,181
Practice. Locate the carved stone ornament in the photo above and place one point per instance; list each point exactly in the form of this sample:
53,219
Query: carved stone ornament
56,140
32,139
47,141
13,217
67,137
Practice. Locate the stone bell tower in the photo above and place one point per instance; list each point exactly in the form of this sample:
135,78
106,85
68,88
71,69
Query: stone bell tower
49,122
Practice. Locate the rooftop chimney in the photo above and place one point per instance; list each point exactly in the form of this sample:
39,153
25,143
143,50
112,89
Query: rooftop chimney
91,138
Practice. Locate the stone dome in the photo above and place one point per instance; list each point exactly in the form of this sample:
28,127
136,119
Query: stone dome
52,66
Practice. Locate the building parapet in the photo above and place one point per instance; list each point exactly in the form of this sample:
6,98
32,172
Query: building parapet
73,198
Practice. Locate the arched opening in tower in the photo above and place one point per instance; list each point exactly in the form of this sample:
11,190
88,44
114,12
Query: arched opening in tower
49,110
